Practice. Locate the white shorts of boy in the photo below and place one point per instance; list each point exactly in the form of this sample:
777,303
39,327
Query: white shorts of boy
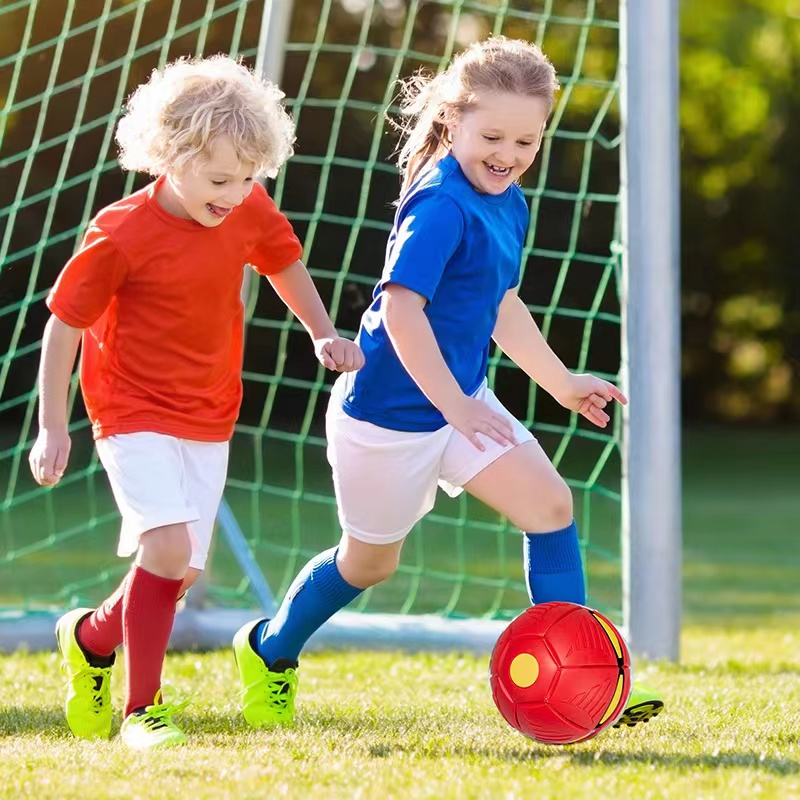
386,480
160,480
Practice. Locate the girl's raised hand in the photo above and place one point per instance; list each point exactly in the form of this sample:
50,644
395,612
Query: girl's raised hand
589,395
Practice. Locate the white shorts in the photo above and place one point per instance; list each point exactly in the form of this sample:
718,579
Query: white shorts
160,480
386,480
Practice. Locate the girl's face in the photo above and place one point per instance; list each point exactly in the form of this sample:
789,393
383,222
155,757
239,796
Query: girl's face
207,190
497,138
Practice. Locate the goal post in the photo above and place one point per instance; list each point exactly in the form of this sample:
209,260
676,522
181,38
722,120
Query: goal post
651,533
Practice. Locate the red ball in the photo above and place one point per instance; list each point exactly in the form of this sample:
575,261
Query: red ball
560,673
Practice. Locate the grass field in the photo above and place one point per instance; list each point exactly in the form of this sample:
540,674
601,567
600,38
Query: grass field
423,726
400,726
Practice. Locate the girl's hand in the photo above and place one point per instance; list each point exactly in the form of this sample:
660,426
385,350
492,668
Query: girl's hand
49,456
472,416
588,396
339,355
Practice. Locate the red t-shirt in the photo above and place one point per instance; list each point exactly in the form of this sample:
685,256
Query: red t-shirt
159,299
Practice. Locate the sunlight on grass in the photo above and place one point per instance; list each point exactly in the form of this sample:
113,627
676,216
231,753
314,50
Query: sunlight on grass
378,725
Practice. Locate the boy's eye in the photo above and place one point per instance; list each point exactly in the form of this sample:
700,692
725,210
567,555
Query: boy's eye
525,144
218,183
490,138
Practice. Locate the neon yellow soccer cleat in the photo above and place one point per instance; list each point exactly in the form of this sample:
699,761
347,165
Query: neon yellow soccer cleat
268,692
643,705
88,703
153,728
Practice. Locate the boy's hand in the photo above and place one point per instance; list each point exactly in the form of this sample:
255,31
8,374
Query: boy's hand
588,396
339,355
49,456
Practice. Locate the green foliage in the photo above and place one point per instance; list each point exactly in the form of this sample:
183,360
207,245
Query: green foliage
740,114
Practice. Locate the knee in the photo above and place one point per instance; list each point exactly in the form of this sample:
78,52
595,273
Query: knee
553,510
367,568
560,506
378,573
364,575
166,551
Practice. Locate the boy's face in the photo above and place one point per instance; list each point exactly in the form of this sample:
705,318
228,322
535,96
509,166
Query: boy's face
207,190
497,138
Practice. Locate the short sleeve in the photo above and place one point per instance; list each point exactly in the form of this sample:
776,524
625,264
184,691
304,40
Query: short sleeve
89,281
426,235
277,247
521,211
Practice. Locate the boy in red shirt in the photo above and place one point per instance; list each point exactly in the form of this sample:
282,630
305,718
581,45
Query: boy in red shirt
153,294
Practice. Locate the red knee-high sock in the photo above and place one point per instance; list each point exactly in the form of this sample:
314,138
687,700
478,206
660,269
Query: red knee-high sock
101,632
148,613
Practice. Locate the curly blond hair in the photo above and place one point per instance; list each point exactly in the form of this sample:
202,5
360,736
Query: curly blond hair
183,108
429,103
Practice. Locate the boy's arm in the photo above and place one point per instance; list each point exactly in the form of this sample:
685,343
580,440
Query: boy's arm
520,339
295,287
416,347
50,453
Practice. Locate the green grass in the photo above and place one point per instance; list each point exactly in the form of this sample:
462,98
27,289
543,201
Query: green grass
423,726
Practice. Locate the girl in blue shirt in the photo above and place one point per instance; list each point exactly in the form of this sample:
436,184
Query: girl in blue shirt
419,414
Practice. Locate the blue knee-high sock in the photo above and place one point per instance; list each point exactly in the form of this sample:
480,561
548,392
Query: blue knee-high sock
553,568
317,593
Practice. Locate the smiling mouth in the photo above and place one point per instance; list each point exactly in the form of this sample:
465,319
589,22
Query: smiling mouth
500,172
218,211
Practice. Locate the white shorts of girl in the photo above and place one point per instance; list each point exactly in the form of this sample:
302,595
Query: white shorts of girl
160,480
386,480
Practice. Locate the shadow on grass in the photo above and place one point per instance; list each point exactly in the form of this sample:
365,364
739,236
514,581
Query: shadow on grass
31,719
428,742
51,724
433,742
732,760
777,766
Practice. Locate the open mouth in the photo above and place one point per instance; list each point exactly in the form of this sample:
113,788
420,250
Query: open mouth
500,172
218,211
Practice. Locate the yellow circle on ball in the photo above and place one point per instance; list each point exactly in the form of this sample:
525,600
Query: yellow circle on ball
524,670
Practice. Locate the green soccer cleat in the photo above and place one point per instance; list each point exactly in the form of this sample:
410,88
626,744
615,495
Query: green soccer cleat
268,692
643,705
152,727
88,703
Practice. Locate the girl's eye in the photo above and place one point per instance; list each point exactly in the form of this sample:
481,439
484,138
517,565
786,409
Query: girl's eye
525,144
491,138
218,183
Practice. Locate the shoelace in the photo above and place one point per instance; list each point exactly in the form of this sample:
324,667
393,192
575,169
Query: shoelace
160,715
97,677
279,686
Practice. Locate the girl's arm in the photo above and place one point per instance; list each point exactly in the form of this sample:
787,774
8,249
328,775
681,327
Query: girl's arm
50,453
416,347
520,339
295,287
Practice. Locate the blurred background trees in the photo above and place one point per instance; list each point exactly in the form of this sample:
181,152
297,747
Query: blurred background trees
740,127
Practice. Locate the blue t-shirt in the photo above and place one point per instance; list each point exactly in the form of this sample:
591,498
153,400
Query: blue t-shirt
461,250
